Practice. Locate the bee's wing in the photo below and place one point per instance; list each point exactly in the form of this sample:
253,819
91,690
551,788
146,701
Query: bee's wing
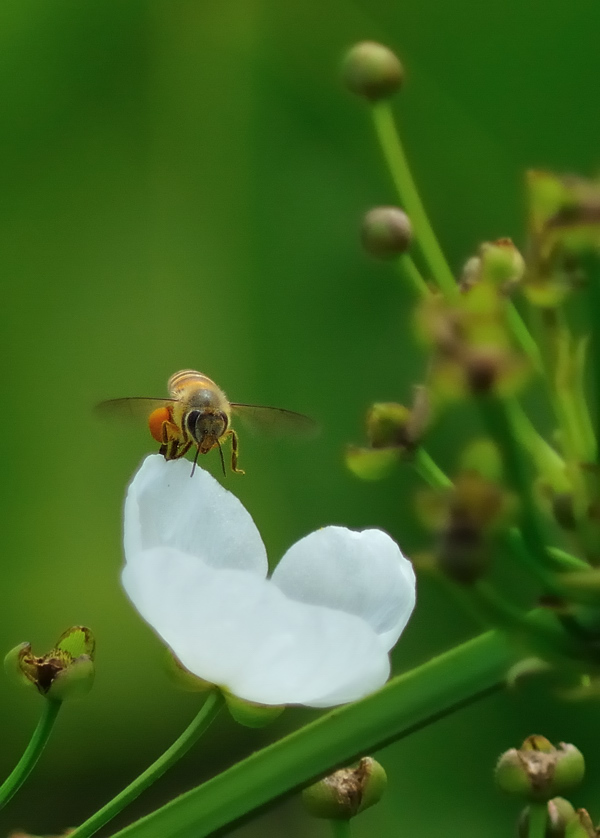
275,421
130,409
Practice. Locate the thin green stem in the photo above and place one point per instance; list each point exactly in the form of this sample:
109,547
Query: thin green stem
407,703
428,469
546,460
538,816
340,829
566,561
524,337
189,737
32,752
407,267
425,239
499,421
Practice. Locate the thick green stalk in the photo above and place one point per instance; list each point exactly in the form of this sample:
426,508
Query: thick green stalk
538,816
341,829
32,752
190,735
407,703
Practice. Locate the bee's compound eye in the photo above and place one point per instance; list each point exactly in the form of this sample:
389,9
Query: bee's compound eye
156,421
191,419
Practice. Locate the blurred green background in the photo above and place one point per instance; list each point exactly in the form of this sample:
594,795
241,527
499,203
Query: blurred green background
181,183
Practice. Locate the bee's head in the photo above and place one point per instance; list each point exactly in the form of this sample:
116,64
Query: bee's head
206,427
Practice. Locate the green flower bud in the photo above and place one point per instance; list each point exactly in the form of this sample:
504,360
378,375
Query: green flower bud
538,770
371,70
64,673
581,826
501,262
386,232
560,814
347,792
388,425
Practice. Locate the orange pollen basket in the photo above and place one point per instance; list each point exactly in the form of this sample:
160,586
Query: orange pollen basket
156,420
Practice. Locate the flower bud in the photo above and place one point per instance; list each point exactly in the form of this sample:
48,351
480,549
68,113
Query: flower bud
372,70
581,826
501,262
347,792
538,770
560,814
388,425
386,232
64,673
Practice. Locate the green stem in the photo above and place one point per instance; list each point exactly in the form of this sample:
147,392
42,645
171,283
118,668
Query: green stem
32,752
546,460
524,337
427,244
428,469
538,815
340,829
189,737
407,703
499,421
566,561
412,273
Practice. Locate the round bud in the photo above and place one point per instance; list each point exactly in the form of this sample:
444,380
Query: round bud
386,232
347,792
538,770
371,70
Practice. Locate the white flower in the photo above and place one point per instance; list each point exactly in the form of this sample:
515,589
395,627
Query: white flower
317,632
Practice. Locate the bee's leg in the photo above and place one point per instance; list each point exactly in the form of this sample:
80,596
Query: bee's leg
172,442
234,452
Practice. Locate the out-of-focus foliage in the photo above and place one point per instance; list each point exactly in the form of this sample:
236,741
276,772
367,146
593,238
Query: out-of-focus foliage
181,185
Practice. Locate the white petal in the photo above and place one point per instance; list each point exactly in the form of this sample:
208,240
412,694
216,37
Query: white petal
361,573
165,507
239,631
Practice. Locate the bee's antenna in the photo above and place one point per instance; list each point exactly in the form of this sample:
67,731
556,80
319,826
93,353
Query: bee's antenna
222,459
195,463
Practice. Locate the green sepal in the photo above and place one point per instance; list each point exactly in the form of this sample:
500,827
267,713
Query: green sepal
15,668
251,714
77,641
183,678
581,826
74,681
372,463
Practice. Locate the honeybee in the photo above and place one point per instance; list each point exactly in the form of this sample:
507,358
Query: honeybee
199,413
